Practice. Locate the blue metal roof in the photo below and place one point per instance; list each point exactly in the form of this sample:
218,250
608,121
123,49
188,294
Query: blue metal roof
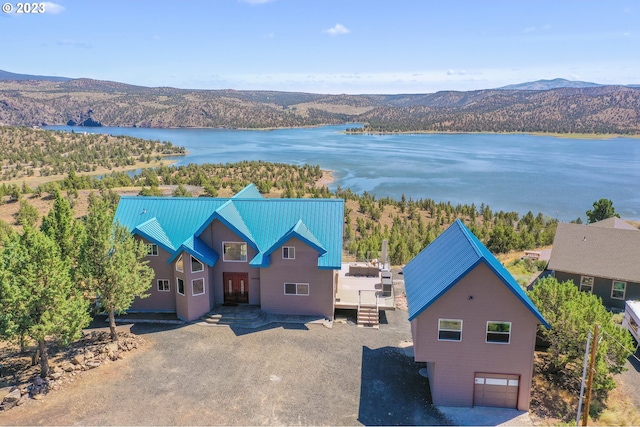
199,249
447,260
173,222
248,192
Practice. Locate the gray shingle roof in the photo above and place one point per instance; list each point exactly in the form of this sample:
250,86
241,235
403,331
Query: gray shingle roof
597,250
614,222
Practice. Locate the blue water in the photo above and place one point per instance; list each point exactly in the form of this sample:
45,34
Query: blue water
559,177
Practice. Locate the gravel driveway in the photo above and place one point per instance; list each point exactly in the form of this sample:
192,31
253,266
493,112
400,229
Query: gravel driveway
277,375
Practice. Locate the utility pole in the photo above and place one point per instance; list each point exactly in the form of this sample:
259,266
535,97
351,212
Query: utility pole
585,367
592,362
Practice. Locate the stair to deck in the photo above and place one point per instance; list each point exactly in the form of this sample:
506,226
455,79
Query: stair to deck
368,317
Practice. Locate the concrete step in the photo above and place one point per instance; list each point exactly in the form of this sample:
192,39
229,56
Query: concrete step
235,316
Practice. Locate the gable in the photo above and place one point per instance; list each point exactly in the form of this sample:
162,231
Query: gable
448,259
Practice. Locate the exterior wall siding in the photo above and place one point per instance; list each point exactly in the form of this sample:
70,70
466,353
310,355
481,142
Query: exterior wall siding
158,301
214,235
602,288
196,305
302,269
453,364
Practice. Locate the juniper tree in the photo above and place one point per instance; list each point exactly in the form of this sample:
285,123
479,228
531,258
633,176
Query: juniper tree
37,296
112,262
572,314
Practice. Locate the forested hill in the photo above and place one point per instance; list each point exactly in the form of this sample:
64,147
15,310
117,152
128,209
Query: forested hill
600,109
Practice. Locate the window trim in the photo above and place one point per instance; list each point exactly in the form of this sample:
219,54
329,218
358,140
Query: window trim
150,249
624,289
167,281
178,280
582,278
203,287
199,262
289,250
440,329
179,261
246,252
297,285
498,332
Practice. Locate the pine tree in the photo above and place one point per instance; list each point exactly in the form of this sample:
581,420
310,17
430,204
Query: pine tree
112,261
37,296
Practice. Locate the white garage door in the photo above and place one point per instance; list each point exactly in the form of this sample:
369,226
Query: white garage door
499,390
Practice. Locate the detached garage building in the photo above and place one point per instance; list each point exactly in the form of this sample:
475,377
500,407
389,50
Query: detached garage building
472,324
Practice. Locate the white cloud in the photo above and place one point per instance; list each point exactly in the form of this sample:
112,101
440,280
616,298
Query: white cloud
337,30
456,72
53,8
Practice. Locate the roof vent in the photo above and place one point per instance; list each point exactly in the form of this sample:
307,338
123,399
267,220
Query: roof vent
144,211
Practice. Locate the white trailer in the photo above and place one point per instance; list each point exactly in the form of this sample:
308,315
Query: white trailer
631,320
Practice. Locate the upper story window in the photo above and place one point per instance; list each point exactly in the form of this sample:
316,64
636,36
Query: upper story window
586,283
618,289
288,252
196,265
499,332
152,249
449,330
234,251
180,264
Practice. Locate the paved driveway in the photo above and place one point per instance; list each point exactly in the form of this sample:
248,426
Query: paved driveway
278,375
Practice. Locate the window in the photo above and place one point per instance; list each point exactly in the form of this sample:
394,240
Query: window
180,287
499,332
296,289
163,285
196,265
288,252
618,289
449,330
197,287
586,284
180,264
152,249
234,251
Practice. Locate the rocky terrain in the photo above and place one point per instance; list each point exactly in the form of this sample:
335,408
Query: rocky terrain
595,109
21,384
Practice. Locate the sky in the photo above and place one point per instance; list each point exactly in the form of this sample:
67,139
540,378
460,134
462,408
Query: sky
326,46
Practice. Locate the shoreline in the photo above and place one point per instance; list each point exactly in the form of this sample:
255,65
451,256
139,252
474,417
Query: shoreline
597,136
326,179
34,181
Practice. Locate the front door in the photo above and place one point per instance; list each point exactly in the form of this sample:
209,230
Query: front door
236,288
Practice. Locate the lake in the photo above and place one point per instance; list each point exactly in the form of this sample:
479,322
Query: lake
560,177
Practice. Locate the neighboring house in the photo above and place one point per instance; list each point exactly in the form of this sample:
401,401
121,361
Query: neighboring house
602,258
472,324
280,254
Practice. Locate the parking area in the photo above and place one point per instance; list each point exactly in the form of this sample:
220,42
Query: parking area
280,374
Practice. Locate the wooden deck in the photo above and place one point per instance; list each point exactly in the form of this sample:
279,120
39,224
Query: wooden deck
364,289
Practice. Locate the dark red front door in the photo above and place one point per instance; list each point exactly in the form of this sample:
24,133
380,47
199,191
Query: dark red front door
236,288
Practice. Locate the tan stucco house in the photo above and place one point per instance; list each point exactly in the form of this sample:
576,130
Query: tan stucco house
472,324
279,254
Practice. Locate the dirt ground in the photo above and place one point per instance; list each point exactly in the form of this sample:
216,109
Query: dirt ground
277,375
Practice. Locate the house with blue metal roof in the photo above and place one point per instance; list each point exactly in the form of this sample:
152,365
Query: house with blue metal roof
280,254
472,324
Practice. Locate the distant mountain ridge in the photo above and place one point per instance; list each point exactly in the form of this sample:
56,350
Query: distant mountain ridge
590,108
6,75
550,84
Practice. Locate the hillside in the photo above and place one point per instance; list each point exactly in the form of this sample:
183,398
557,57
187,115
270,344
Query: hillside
597,109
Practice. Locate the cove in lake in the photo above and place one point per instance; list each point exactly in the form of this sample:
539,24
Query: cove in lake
560,177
